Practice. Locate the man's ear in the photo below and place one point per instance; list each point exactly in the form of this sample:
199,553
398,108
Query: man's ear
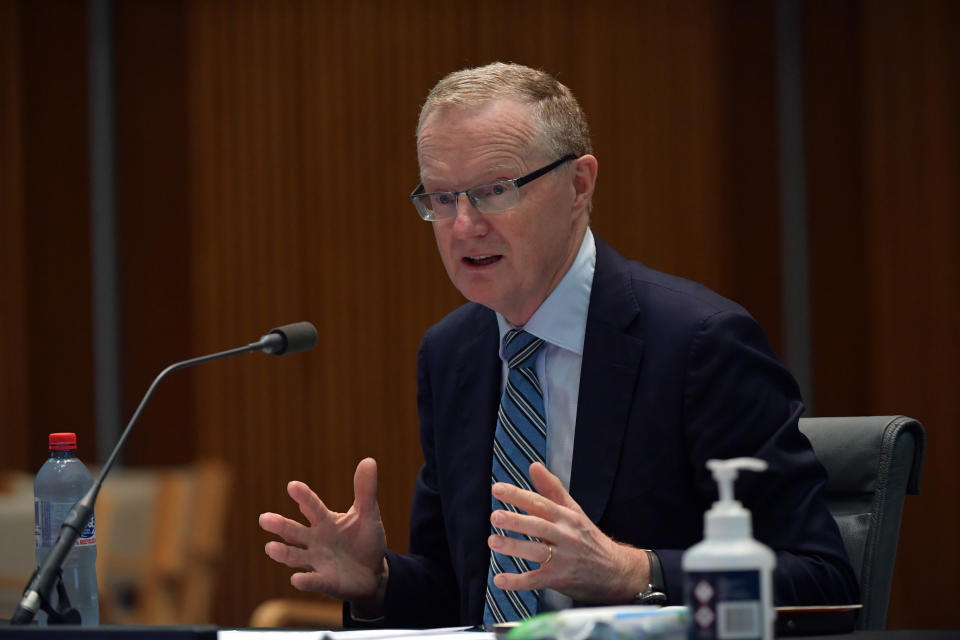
584,180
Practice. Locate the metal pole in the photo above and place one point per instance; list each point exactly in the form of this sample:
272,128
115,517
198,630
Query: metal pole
106,325
795,299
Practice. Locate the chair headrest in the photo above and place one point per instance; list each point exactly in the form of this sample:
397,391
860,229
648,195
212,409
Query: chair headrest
852,447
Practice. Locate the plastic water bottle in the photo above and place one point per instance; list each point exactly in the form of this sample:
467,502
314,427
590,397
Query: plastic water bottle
61,481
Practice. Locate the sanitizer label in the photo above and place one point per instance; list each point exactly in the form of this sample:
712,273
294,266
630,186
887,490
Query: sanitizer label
724,605
48,516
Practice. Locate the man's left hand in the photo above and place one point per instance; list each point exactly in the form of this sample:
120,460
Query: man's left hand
576,558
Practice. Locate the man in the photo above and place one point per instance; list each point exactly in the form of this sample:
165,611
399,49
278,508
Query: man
625,382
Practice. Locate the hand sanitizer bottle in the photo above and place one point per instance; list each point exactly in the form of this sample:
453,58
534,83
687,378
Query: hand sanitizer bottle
728,577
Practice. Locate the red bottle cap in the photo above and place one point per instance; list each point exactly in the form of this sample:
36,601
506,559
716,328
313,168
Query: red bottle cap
63,441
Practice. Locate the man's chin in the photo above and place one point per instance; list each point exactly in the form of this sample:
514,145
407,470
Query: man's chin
480,294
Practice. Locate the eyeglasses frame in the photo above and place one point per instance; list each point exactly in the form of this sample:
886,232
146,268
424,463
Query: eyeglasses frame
517,182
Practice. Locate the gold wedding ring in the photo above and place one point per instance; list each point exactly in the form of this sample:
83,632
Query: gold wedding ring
549,555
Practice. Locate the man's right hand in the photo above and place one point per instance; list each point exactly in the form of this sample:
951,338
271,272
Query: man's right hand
342,555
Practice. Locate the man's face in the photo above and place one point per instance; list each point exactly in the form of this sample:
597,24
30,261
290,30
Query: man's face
508,261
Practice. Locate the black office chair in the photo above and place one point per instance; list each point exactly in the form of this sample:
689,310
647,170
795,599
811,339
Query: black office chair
872,462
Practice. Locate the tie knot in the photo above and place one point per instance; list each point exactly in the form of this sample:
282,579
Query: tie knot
519,346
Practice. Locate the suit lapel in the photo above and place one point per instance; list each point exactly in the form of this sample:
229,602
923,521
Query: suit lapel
611,362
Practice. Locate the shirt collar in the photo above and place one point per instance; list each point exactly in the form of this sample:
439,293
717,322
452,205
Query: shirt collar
561,319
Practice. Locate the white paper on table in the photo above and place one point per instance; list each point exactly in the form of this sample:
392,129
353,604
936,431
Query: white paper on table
269,634
441,633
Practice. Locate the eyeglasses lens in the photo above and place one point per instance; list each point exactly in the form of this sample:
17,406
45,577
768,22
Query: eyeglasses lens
494,197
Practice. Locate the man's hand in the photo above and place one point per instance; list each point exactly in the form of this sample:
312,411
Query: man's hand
577,559
340,554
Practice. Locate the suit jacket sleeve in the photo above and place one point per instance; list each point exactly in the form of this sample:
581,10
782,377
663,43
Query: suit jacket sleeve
422,588
739,400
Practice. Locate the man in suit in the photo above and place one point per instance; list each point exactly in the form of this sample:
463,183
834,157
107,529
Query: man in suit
635,378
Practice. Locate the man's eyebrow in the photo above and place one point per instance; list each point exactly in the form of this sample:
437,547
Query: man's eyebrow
507,170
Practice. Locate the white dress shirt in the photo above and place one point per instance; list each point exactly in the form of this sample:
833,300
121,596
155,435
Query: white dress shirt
561,321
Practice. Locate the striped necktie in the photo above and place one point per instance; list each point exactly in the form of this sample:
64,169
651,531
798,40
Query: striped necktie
520,439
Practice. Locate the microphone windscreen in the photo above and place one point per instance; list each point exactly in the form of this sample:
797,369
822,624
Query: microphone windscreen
297,337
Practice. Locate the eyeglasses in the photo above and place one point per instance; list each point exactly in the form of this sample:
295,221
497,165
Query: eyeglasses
487,198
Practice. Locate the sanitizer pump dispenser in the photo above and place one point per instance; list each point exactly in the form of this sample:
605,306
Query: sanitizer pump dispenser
728,577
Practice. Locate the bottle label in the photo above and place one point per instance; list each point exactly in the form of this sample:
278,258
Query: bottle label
48,516
724,605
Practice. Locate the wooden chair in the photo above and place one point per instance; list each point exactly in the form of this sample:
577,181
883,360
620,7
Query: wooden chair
160,539
17,550
317,613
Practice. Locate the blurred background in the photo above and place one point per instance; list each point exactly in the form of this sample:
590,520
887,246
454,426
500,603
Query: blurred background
178,177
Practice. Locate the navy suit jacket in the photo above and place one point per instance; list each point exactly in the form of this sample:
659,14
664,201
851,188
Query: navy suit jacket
672,375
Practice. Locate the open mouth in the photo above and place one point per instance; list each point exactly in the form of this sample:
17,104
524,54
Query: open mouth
480,261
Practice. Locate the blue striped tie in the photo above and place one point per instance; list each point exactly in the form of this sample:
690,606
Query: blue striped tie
520,439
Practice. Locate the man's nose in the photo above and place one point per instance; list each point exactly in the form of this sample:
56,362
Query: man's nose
468,222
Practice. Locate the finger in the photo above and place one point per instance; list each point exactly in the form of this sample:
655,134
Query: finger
271,522
290,530
309,581
529,501
365,486
311,506
550,487
520,581
285,554
524,524
520,548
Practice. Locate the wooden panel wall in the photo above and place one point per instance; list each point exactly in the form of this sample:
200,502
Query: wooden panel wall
152,178
13,320
265,151
47,352
884,99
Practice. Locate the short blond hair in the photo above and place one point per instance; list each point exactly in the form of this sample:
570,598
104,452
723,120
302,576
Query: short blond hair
557,114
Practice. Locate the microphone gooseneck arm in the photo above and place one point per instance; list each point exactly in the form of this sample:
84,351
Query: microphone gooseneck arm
290,338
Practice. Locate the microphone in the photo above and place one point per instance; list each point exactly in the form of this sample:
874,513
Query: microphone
290,338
